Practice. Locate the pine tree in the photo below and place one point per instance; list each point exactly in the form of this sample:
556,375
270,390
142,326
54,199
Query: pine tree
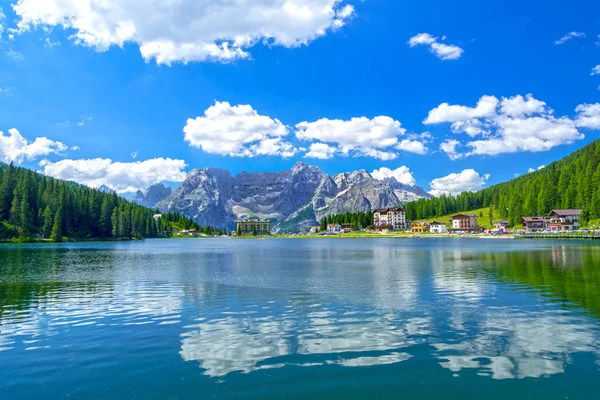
48,223
57,234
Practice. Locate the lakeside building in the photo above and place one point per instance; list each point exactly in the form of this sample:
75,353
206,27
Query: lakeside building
390,219
419,227
535,224
556,221
438,227
465,223
564,220
315,229
253,226
346,228
334,228
501,226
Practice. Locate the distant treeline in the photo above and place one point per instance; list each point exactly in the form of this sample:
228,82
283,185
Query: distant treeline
571,183
36,206
356,220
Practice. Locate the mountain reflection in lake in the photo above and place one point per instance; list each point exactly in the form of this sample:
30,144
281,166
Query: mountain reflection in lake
329,318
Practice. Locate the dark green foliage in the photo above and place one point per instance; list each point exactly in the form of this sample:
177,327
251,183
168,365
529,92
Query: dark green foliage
573,182
33,205
356,220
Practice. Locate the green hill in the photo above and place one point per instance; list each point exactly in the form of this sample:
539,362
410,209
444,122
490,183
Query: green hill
483,217
35,206
573,182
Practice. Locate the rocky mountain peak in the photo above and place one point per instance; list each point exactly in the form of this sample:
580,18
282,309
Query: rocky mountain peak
292,199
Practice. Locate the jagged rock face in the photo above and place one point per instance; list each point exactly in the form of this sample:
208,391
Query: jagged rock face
293,199
152,195
105,189
203,196
406,193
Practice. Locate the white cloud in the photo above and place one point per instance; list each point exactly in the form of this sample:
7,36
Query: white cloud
50,44
237,131
81,122
519,106
412,146
527,134
134,155
15,55
402,175
376,137
187,30
538,168
440,50
468,180
119,176
15,148
588,116
509,125
596,70
449,147
569,36
2,18
445,112
321,151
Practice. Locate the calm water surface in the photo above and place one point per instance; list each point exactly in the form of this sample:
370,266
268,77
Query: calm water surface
272,319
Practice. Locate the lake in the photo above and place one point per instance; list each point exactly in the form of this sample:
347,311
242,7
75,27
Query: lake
284,318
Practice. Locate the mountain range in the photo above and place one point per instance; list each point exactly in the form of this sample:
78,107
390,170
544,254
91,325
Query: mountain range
293,199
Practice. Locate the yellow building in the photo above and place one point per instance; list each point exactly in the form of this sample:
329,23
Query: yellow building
419,227
253,227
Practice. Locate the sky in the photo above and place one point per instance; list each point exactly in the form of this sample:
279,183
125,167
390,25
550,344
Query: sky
450,96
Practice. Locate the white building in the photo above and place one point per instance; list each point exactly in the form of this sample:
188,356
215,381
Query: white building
438,227
393,219
564,220
334,228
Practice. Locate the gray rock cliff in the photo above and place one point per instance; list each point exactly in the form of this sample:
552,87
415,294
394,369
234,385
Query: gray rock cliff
293,199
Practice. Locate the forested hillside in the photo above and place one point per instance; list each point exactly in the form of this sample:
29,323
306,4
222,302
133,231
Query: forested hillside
357,220
36,206
573,182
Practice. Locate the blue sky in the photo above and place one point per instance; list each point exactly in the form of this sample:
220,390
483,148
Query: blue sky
93,82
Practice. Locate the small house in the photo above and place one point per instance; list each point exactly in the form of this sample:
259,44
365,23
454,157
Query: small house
501,226
334,228
419,227
438,227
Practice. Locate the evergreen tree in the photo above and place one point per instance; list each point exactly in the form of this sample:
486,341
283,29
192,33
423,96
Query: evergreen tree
57,234
48,223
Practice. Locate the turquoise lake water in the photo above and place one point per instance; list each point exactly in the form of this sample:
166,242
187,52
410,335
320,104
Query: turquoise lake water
324,319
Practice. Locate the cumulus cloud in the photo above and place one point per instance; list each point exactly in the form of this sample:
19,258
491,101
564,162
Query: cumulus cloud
449,147
412,146
440,50
402,175
538,168
468,180
596,70
15,148
519,106
509,125
121,177
445,112
238,131
588,116
321,151
187,30
376,137
569,36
